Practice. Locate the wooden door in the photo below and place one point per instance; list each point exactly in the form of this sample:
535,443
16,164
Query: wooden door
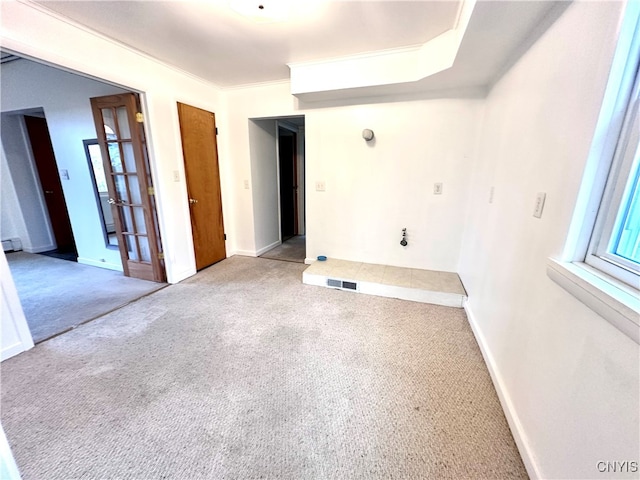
200,150
50,181
124,154
288,183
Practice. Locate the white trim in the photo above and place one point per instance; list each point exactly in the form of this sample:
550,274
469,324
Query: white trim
8,467
608,297
42,8
39,249
96,263
267,248
517,430
11,307
245,86
244,253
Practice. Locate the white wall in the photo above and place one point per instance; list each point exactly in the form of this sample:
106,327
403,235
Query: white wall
570,379
65,100
264,169
22,208
373,190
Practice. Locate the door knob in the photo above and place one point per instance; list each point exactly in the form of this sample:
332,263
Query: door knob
112,201
193,200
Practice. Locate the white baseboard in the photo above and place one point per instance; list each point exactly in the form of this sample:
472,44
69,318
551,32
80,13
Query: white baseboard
40,249
96,263
243,253
510,412
267,248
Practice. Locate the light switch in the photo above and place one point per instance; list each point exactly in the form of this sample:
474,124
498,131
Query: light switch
437,189
491,192
537,211
176,176
64,174
246,184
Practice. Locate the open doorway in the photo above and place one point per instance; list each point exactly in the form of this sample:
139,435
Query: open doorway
278,171
49,178
48,109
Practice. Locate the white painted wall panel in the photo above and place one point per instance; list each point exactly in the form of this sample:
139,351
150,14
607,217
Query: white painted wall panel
571,377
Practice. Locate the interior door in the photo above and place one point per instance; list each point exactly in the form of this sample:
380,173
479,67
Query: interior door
200,150
50,181
124,154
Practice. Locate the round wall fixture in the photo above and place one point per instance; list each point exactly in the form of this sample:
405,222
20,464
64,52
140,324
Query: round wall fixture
367,134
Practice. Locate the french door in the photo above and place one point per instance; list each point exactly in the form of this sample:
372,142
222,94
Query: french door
124,155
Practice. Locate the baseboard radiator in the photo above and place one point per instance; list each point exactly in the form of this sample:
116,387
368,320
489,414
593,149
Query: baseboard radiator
11,245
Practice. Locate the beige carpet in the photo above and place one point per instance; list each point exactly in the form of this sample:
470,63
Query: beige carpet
243,372
57,295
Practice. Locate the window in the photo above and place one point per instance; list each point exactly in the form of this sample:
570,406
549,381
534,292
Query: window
615,243
600,264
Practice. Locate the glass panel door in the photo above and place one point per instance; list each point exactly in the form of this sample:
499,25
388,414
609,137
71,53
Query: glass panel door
121,138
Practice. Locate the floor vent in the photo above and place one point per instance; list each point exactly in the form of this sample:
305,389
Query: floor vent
342,284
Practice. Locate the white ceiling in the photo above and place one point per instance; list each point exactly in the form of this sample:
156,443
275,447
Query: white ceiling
210,40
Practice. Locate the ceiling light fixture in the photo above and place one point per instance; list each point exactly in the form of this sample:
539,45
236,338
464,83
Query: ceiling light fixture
263,11
267,11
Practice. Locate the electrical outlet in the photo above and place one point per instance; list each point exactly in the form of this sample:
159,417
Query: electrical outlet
537,211
437,189
320,186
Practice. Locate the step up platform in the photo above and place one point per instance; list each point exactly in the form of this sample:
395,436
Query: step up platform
425,286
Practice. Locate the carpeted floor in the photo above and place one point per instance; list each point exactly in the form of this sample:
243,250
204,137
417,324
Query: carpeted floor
292,250
243,372
57,295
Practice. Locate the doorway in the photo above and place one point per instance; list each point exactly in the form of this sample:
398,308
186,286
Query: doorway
51,186
282,173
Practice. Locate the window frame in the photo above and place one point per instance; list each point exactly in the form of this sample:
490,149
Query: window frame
624,165
615,301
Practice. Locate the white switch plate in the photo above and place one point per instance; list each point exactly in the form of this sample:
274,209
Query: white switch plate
176,176
320,186
64,174
537,211
491,192
437,189
246,184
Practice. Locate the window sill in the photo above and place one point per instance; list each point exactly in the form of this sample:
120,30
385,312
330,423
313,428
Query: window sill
616,302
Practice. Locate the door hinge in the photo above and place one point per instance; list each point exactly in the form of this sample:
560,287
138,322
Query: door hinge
216,130
225,236
161,256
139,117
151,191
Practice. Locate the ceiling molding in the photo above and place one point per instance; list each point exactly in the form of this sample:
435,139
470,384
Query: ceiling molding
388,67
26,52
